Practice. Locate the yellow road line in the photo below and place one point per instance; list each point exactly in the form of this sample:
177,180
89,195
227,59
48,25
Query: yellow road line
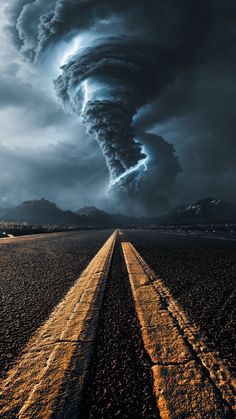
30,237
48,379
189,378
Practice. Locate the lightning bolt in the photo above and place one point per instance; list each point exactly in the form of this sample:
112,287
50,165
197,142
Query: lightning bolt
85,96
135,168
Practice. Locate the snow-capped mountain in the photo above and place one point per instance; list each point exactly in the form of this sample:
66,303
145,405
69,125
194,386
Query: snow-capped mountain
209,210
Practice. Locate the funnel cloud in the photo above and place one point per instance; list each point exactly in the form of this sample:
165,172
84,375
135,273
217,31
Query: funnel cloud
147,80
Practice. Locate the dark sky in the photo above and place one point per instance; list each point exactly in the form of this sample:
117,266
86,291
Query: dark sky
125,105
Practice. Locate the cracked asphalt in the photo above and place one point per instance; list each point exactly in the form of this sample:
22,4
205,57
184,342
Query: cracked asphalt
201,275
35,274
120,383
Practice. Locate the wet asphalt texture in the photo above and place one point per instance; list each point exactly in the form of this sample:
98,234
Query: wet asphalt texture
119,384
201,275
35,274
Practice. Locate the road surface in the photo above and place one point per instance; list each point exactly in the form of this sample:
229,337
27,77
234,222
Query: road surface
35,274
201,274
167,289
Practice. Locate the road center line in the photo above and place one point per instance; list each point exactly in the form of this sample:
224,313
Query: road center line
189,378
49,376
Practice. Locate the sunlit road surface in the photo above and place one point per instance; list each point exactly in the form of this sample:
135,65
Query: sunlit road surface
35,273
127,339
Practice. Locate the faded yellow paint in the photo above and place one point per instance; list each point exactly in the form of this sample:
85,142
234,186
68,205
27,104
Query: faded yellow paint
49,376
177,350
184,391
30,237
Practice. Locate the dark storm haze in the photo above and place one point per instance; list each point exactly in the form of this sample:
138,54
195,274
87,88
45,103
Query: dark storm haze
144,89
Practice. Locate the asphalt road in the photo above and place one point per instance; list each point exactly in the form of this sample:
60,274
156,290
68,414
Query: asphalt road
35,273
201,274
119,385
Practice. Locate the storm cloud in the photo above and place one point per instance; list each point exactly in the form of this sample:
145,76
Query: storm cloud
152,81
106,84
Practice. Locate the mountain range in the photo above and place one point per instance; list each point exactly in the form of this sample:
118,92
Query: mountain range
205,211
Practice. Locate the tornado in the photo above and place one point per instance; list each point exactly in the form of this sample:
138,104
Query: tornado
105,85
133,52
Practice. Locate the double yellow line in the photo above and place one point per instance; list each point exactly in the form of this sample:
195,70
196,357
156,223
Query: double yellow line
189,378
48,380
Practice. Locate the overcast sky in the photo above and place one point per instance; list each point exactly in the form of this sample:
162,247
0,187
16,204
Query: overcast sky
46,153
43,152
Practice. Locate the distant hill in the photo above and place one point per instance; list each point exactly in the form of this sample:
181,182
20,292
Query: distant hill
39,211
205,211
42,211
93,216
90,211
